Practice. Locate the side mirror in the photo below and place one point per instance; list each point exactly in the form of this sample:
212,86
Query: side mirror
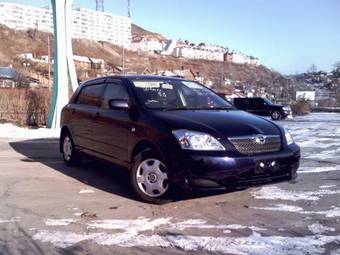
119,104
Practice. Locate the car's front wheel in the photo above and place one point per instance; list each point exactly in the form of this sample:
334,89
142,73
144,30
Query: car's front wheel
70,154
149,178
276,115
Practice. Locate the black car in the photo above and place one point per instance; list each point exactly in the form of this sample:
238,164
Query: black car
173,133
263,107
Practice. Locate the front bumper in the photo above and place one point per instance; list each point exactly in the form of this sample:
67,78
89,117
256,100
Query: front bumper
195,171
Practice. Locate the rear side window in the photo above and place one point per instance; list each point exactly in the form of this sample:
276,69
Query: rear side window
90,95
240,101
114,91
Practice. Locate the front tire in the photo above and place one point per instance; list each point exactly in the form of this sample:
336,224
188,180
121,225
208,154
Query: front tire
70,154
149,178
276,115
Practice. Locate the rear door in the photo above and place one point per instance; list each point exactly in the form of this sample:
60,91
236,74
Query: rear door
111,136
83,112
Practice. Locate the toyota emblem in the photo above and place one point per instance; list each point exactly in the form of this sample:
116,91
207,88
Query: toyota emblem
260,139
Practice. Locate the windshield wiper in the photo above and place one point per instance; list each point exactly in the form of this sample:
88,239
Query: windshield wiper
197,108
180,108
218,108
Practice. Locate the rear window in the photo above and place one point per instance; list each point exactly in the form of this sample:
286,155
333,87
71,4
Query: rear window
90,95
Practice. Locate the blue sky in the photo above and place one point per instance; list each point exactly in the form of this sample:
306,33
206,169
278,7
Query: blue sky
287,35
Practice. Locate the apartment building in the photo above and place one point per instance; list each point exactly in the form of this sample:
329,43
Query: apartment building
145,44
86,24
197,53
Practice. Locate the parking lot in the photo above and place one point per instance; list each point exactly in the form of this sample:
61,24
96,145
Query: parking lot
49,208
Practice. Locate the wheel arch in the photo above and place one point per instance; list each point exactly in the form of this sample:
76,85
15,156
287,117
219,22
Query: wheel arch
145,145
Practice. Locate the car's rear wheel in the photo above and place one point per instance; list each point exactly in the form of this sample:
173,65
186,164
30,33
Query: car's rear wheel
70,154
276,115
149,178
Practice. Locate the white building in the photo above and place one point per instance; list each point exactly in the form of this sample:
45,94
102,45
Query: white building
86,24
145,44
305,95
169,47
196,53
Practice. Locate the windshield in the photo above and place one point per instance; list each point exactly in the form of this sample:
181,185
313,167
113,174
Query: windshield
267,101
177,95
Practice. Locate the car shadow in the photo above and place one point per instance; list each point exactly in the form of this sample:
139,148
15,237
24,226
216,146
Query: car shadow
95,173
98,174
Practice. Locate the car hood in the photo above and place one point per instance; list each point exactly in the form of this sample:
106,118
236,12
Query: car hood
218,122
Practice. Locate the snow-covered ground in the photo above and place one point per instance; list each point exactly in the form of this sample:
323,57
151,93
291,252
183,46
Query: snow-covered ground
318,135
13,132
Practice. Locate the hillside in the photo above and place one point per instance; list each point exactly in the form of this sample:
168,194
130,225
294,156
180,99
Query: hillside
223,76
138,31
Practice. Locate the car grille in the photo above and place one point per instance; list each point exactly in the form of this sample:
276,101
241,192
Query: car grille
256,144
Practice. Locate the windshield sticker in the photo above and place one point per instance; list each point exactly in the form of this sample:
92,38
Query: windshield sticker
192,85
167,86
147,84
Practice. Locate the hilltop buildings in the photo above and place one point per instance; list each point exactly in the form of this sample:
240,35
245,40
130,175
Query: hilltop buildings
101,26
86,24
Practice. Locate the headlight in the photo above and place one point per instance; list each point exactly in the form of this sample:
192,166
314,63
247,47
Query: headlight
192,140
286,108
289,138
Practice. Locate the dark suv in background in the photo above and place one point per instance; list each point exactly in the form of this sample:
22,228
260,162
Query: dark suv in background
263,107
170,133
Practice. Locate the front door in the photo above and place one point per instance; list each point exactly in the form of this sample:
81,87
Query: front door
111,138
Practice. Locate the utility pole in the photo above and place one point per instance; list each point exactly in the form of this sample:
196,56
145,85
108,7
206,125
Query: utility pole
100,5
123,68
49,61
129,9
123,57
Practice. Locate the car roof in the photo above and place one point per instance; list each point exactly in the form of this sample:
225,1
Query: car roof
132,77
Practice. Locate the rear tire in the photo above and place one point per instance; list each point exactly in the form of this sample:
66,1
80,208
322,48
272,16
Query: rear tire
276,115
149,179
70,154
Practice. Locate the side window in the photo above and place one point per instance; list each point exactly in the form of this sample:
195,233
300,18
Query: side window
260,102
114,91
254,102
90,95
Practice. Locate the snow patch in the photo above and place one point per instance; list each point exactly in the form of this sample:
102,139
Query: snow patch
327,186
86,191
317,228
308,170
132,227
11,131
275,193
254,244
59,222
202,224
281,208
331,213
11,220
62,239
